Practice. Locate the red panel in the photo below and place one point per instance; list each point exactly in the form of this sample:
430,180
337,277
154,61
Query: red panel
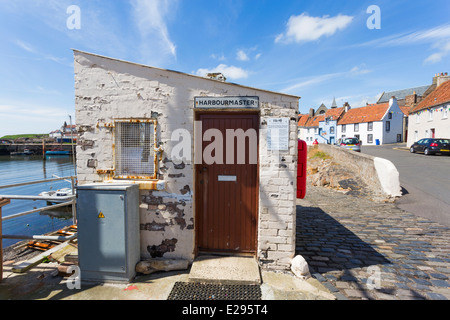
301,169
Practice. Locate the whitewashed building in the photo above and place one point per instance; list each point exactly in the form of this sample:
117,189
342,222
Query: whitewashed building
373,124
160,129
430,118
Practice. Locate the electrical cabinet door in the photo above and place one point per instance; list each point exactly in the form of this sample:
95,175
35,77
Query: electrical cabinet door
108,232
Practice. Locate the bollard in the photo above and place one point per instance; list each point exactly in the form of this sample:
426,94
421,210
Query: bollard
3,202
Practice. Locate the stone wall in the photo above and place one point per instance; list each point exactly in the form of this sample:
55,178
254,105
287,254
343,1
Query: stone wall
378,174
107,89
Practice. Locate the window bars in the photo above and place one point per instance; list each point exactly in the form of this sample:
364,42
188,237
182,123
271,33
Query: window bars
135,156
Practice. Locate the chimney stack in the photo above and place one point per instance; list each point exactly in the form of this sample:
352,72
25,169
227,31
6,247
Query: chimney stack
311,112
347,107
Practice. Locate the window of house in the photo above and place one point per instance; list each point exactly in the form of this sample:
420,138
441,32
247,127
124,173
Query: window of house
388,126
390,115
331,130
399,138
370,138
316,130
430,113
356,129
370,126
135,156
417,118
445,112
343,128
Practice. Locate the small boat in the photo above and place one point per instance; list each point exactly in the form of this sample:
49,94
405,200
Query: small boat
25,152
57,195
57,152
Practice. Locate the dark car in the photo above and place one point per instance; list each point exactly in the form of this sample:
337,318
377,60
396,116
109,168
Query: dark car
431,146
350,144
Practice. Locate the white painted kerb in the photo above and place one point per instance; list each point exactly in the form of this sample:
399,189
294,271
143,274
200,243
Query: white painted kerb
388,176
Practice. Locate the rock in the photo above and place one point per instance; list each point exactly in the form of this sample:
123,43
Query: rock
300,268
155,265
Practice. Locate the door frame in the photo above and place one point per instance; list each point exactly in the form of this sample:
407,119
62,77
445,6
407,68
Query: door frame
196,167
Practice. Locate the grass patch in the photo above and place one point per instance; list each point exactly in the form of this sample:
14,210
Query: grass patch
317,153
30,136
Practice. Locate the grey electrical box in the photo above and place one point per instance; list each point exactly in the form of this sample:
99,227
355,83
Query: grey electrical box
108,232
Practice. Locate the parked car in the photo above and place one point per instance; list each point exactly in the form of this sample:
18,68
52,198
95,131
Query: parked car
351,144
431,146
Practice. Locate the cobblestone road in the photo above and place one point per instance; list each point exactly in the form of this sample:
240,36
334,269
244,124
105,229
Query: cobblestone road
364,250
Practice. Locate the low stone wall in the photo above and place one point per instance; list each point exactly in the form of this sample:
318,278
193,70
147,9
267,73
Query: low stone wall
380,175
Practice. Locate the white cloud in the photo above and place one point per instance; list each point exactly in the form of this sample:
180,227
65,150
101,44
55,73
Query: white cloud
25,46
444,50
150,18
304,28
220,57
438,36
242,56
230,72
355,71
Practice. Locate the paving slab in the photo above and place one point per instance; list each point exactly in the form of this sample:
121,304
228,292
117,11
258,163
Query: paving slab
225,270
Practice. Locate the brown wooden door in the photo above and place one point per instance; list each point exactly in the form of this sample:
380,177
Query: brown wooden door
227,193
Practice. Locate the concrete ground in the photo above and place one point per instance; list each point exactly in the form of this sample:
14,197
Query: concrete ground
43,283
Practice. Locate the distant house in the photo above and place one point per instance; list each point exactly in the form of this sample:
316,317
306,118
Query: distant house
65,134
301,129
373,124
328,125
321,127
430,117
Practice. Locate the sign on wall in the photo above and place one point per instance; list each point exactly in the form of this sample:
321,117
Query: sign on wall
226,102
278,134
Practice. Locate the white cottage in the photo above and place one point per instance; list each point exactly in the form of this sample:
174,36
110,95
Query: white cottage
430,118
373,124
215,162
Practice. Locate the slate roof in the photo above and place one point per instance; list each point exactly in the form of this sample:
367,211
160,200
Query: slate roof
369,113
401,94
439,96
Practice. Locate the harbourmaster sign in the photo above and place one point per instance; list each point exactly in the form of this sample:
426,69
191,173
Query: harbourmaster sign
227,102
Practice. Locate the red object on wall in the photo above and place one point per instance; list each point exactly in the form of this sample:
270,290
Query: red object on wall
301,169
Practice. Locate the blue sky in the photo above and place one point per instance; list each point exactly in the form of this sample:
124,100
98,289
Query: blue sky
314,49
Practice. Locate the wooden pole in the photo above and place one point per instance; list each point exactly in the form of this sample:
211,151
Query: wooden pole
3,202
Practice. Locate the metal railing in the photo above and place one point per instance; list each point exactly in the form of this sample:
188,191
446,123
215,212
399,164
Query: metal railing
66,201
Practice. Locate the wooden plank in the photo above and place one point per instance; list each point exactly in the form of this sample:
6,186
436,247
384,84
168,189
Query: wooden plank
27,265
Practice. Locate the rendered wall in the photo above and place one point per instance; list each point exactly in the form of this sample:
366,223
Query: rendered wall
107,88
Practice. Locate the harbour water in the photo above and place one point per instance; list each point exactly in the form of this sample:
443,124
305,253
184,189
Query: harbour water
18,169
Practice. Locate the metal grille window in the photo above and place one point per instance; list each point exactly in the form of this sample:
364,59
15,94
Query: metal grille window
135,156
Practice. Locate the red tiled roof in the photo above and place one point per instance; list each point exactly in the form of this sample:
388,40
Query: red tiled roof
334,113
370,113
439,96
405,109
303,118
314,121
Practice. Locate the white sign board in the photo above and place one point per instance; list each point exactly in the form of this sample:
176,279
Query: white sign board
278,134
226,102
